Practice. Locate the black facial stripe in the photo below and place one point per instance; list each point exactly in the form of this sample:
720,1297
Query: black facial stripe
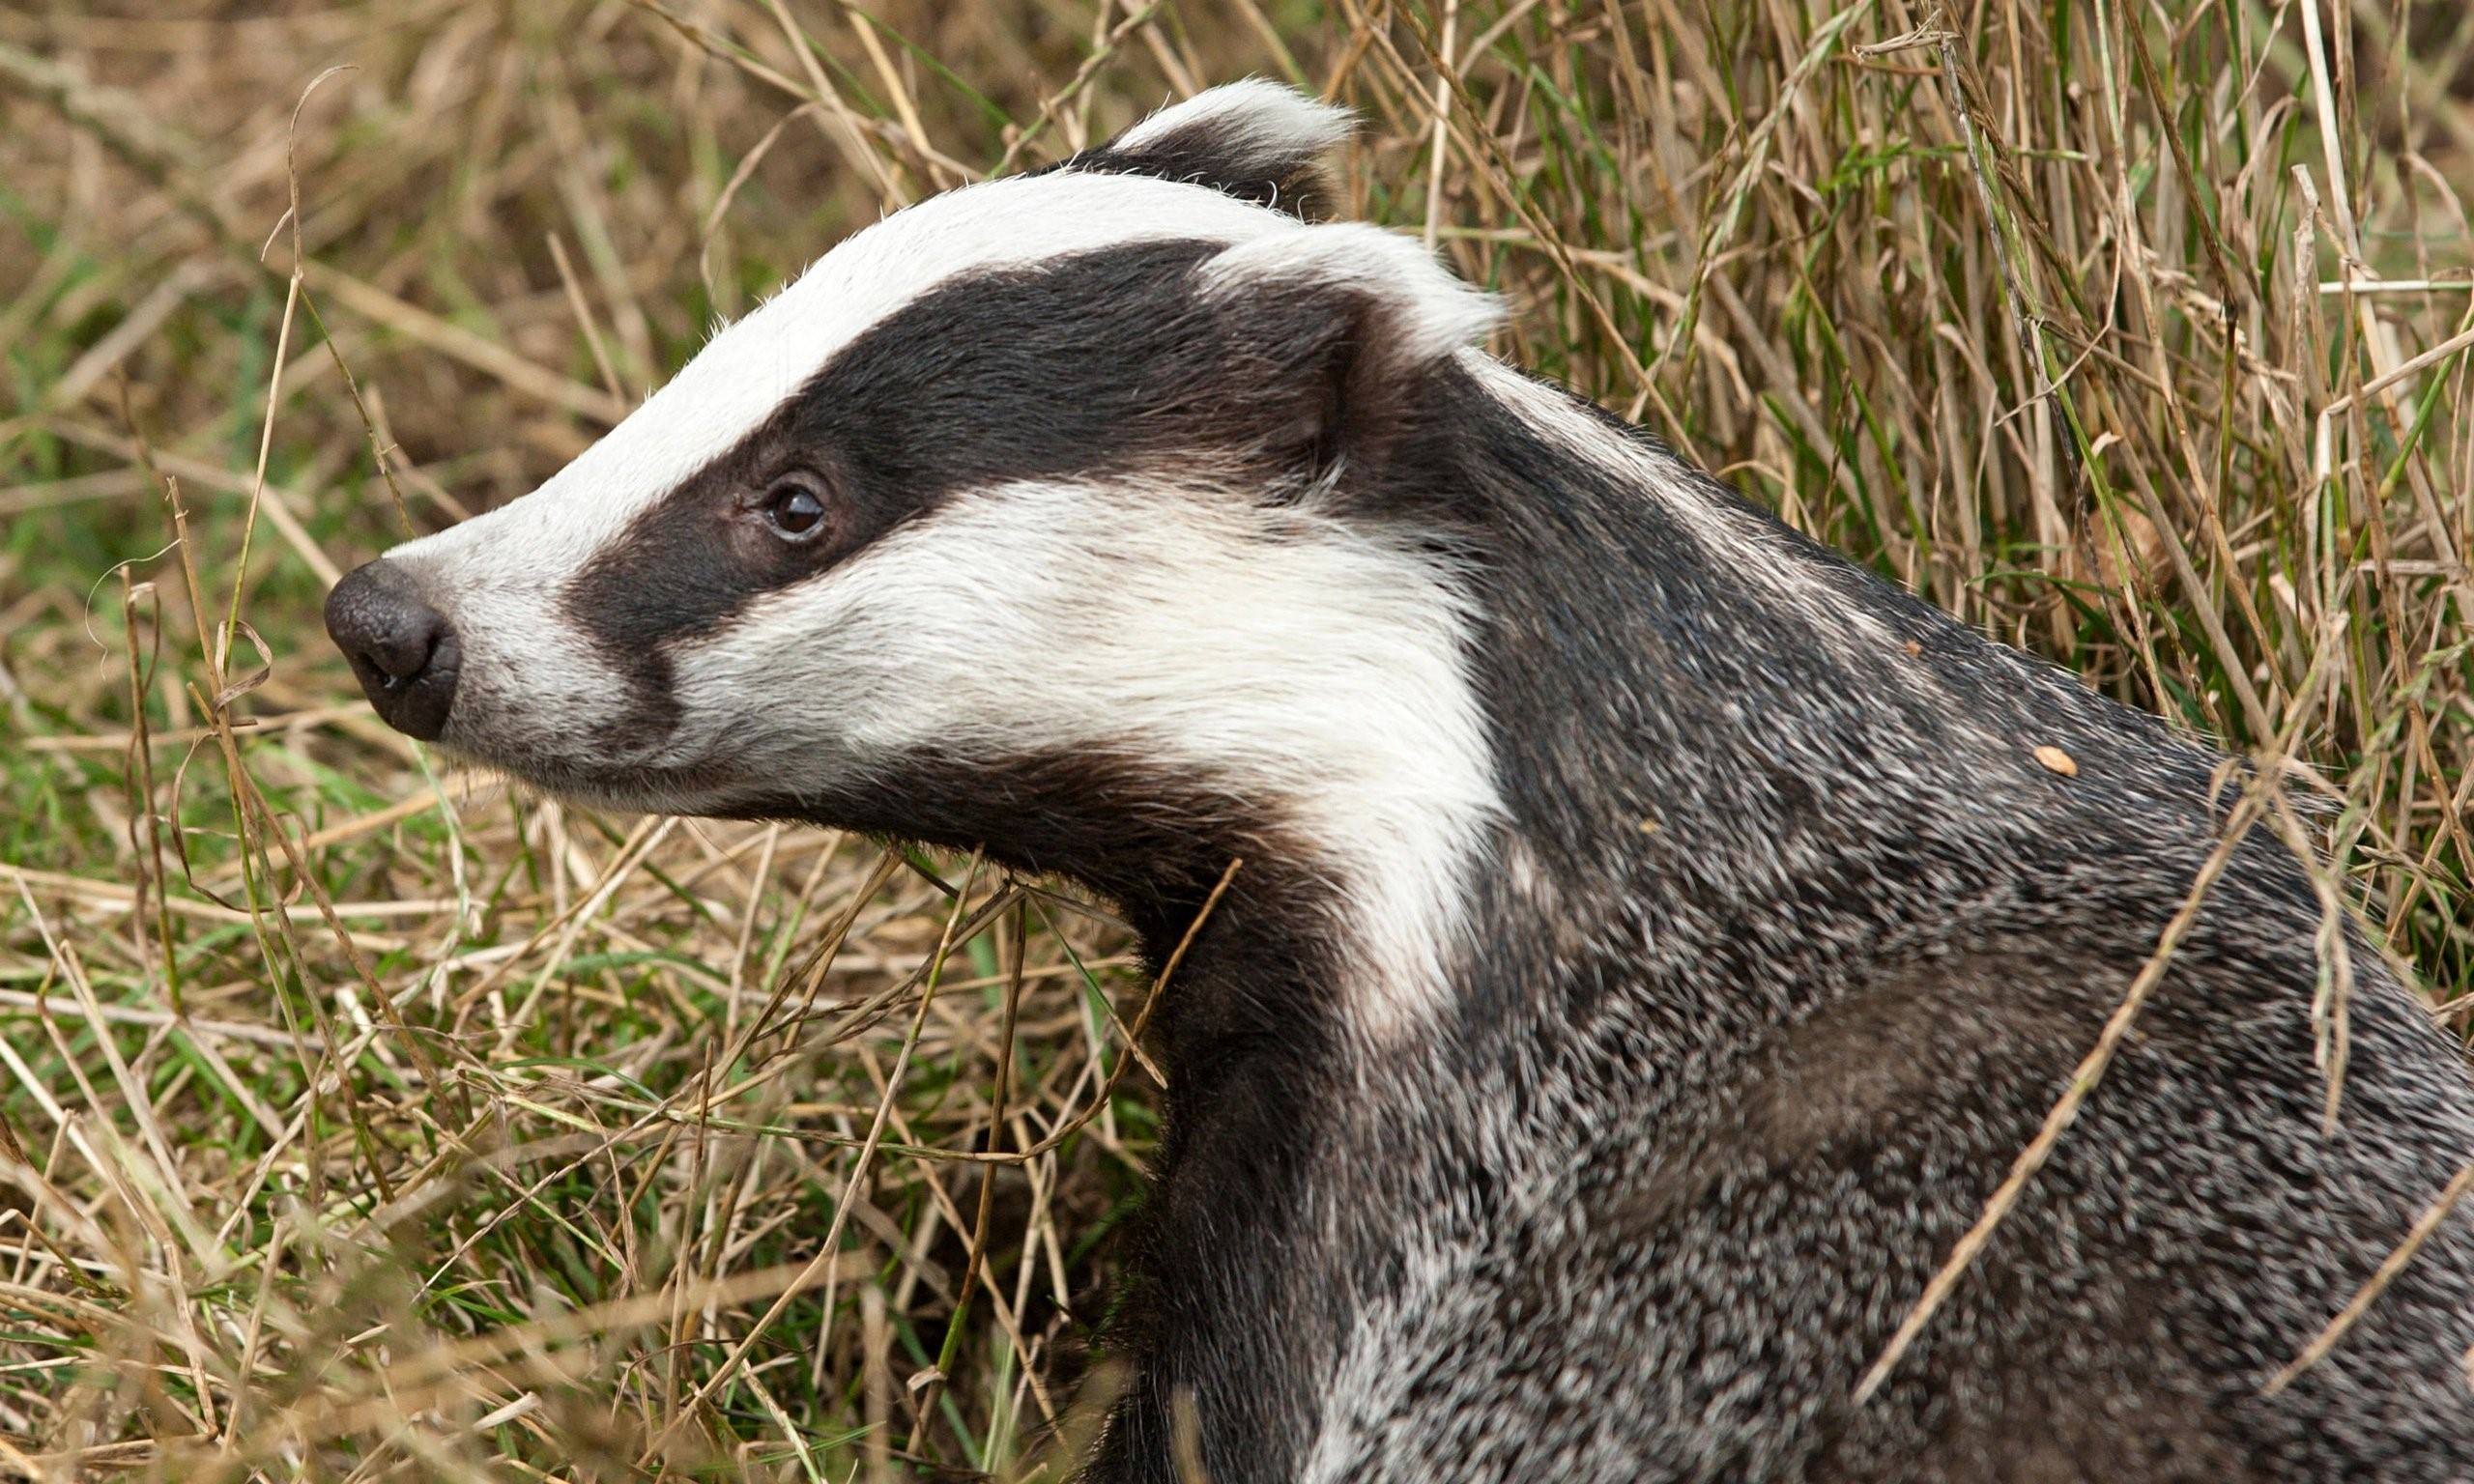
1102,363
1079,366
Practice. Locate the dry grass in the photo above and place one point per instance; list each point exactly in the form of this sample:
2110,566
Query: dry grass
358,1120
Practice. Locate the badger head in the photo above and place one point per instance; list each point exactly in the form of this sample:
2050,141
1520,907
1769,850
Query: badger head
1019,520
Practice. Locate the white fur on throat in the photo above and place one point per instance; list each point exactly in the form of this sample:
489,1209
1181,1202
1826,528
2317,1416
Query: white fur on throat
1293,658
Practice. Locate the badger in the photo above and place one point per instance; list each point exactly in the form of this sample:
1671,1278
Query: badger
1651,936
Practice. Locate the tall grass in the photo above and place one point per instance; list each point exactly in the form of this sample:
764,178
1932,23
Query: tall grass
362,1119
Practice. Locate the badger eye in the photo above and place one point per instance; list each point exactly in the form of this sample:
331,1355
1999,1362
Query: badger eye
794,508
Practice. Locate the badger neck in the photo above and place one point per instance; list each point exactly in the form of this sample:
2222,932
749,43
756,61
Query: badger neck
1366,1028
1731,772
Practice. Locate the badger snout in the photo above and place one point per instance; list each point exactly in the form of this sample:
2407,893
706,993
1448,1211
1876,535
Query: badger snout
404,650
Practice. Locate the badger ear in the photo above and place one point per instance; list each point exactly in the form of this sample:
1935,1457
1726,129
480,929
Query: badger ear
1388,283
1348,320
1255,140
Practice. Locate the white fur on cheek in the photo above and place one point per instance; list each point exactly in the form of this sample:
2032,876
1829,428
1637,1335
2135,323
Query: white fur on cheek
1294,660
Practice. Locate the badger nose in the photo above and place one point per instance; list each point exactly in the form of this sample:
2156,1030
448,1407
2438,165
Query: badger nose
403,649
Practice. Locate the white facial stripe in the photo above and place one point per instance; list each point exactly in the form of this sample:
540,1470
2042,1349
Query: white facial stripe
750,368
1295,659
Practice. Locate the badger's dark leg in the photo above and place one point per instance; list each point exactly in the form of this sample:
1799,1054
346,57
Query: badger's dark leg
1247,1274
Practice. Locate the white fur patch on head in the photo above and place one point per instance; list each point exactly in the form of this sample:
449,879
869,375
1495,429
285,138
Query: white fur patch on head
1255,118
1427,312
751,366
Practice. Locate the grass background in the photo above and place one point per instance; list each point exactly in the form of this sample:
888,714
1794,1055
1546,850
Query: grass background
360,1119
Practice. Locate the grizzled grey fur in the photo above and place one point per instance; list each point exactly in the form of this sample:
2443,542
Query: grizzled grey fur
1722,1094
